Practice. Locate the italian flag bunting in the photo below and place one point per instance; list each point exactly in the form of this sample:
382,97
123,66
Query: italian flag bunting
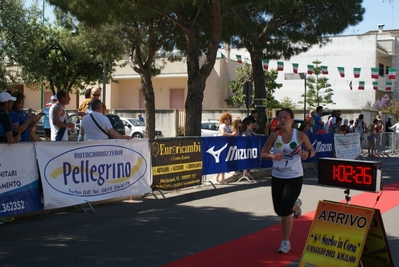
356,72
295,67
361,85
388,86
324,70
374,73
239,60
310,69
350,85
375,85
341,71
265,64
280,66
392,73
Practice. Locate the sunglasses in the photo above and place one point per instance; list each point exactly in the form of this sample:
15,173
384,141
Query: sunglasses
96,94
227,118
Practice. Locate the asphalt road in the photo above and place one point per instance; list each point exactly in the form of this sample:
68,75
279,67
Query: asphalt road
152,232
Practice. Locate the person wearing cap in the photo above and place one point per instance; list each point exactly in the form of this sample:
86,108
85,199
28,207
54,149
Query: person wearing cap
6,133
380,124
46,120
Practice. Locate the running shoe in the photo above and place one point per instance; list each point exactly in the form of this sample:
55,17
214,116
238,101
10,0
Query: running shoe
298,211
285,247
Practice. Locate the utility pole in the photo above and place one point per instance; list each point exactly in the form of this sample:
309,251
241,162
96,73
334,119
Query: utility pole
41,80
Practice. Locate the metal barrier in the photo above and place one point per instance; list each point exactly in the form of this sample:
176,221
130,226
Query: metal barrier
383,144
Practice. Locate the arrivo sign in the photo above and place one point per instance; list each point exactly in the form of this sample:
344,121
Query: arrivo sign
352,174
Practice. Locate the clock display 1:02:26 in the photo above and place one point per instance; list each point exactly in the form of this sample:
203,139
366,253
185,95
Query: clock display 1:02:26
352,174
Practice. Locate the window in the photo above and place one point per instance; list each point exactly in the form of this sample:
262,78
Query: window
381,69
387,70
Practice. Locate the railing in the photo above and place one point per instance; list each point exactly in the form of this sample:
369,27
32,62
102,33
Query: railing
383,144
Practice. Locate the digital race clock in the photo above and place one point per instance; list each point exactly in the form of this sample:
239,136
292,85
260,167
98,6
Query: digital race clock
351,174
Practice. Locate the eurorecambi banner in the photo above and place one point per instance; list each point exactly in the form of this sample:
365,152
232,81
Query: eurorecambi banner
74,173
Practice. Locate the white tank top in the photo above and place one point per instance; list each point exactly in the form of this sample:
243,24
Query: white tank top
290,166
56,130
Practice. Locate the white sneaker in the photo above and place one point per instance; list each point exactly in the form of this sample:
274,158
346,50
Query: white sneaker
298,210
285,247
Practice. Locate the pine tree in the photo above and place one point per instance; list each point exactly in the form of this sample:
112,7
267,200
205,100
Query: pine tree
319,91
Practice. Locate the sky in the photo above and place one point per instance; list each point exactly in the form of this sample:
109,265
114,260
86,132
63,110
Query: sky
377,12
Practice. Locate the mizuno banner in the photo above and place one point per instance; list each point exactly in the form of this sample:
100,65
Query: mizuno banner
225,154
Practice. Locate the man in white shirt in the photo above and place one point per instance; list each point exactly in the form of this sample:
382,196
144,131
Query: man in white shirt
91,131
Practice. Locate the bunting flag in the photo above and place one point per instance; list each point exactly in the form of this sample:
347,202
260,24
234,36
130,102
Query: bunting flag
356,72
265,64
392,73
341,71
310,69
388,86
350,85
374,73
239,60
324,70
375,85
361,85
295,67
280,65
223,56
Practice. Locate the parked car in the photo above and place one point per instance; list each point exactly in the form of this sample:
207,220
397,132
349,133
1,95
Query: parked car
209,128
116,123
136,128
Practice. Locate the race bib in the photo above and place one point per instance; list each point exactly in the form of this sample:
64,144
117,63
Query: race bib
285,164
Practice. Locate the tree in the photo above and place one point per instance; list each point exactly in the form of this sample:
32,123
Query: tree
319,91
200,23
271,29
15,21
244,73
142,36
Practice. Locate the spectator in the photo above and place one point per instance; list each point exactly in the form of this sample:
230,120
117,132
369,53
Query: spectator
372,138
310,121
388,125
140,117
21,121
6,133
97,126
236,127
254,115
284,149
304,127
46,120
318,123
336,127
271,126
345,127
58,117
247,128
332,119
380,123
360,127
224,130
351,126
85,106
